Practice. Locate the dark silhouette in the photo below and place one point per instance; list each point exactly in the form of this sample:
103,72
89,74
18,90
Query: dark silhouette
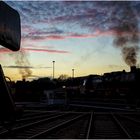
10,37
9,112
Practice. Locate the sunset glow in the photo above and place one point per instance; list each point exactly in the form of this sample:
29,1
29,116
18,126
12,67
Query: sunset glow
76,35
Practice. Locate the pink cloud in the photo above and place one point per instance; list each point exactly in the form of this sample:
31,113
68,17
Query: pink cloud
4,50
45,50
70,35
28,39
55,37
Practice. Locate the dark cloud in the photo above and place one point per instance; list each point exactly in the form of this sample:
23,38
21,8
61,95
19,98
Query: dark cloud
42,32
24,67
89,14
17,67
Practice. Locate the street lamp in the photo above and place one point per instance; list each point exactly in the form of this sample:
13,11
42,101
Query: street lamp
72,73
53,68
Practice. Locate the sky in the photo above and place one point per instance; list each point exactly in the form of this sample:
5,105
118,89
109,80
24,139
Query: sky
82,35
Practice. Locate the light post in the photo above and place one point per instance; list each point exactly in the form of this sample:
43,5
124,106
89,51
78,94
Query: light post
73,73
73,77
53,68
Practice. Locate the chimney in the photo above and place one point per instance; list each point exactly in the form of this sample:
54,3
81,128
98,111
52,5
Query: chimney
23,79
133,69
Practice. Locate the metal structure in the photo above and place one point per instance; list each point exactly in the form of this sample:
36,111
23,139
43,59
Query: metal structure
53,68
73,73
10,28
7,106
10,36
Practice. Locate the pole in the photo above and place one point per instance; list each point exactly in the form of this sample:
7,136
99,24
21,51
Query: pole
72,73
53,68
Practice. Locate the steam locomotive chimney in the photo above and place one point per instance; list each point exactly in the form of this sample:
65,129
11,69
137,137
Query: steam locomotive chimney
133,69
23,79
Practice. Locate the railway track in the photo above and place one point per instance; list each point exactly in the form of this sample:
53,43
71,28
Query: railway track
31,117
75,125
135,117
99,107
106,126
27,113
66,129
132,125
33,129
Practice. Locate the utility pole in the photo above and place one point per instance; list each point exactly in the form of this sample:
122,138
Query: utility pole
53,68
73,73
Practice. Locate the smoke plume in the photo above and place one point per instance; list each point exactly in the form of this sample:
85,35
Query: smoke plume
127,37
22,60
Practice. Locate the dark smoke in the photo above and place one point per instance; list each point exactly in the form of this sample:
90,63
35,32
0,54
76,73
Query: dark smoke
22,60
130,55
127,34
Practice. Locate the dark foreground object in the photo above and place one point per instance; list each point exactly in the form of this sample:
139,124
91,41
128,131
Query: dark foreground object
10,28
8,111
